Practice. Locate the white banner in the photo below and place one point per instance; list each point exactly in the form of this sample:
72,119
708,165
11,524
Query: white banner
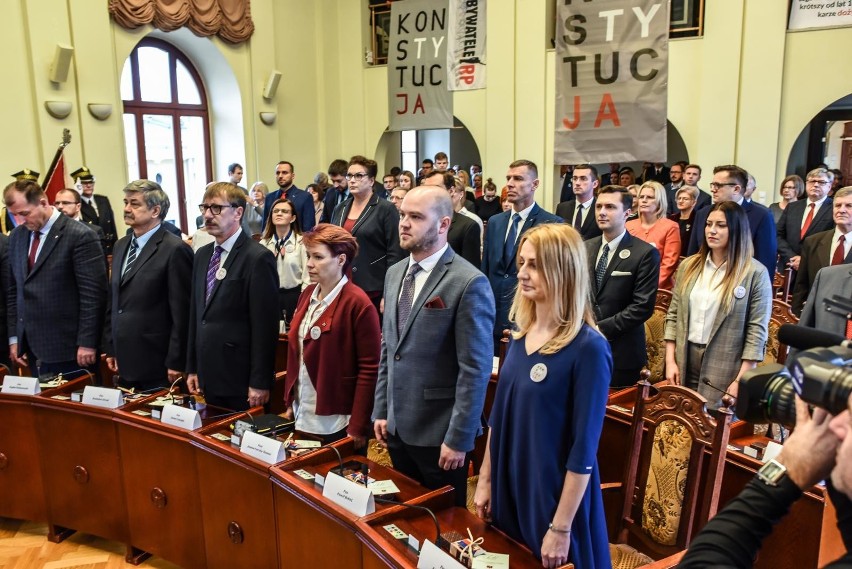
466,45
820,14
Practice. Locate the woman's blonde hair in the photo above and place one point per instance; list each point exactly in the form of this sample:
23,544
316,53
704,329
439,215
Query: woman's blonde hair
659,197
561,261
739,254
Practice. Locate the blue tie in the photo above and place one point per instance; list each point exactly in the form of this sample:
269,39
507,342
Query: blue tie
509,245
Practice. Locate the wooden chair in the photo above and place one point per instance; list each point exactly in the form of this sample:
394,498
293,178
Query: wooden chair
782,283
776,352
672,481
655,328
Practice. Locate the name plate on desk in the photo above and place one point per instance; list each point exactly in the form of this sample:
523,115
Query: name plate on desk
432,557
181,417
103,397
17,385
348,495
491,561
262,448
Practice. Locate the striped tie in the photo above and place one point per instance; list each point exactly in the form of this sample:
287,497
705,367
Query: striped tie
212,269
131,255
406,298
600,270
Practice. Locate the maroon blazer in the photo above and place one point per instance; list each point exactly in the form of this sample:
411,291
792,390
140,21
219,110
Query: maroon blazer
344,362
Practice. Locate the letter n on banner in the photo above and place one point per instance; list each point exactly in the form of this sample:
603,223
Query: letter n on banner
418,97
611,81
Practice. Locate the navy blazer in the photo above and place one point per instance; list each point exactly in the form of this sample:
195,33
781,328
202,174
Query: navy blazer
763,234
590,228
302,201
790,226
503,278
330,202
464,238
59,305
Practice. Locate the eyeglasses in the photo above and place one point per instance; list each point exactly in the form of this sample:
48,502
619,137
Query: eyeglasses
358,176
715,186
818,182
214,208
64,203
279,210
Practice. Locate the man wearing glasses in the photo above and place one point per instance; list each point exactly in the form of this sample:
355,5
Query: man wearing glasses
68,202
95,209
804,218
232,331
728,184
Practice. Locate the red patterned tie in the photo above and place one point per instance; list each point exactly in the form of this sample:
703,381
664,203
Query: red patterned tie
837,258
808,221
33,249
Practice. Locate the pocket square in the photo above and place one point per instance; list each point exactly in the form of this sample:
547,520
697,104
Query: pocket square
435,302
621,273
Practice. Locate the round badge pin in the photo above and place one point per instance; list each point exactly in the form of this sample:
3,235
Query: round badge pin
315,333
221,274
739,292
538,372
624,253
290,247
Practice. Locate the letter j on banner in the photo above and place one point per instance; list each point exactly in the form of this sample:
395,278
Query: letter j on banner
418,97
611,81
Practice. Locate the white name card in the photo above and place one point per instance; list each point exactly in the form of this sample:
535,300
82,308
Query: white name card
432,557
262,448
103,397
181,417
17,385
348,495
773,449
491,561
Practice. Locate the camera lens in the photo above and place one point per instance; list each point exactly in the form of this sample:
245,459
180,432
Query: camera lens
766,395
837,385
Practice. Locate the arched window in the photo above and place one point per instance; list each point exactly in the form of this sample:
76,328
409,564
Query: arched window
166,125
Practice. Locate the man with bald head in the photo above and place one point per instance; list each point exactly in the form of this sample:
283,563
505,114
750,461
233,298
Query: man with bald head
436,349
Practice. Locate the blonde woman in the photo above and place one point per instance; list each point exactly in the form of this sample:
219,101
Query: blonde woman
652,226
717,324
283,237
539,480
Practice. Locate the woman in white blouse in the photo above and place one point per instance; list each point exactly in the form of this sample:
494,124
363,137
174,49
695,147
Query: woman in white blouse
283,237
717,324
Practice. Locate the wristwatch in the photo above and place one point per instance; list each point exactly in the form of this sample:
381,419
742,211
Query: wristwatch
772,473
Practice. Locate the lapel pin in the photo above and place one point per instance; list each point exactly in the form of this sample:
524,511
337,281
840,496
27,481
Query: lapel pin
624,253
538,372
739,292
221,274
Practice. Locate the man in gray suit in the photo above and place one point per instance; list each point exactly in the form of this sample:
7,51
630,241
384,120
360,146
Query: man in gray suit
436,349
57,291
829,282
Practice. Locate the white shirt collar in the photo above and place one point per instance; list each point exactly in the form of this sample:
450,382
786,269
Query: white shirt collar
230,241
817,203
50,221
613,245
427,264
329,298
524,213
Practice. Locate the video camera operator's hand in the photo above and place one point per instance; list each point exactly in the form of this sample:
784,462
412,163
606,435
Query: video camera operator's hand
810,452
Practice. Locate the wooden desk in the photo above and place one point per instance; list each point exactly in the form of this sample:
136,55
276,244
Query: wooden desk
23,495
383,550
806,537
160,480
312,530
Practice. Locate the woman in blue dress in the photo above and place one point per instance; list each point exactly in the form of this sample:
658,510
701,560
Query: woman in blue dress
539,480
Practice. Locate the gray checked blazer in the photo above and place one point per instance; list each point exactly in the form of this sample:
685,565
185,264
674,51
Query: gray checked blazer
738,334
433,373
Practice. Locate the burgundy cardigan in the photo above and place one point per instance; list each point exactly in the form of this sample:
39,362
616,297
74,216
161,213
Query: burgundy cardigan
344,362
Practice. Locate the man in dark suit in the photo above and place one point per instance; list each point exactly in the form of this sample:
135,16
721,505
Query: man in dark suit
232,330
624,272
580,211
832,247
691,177
339,191
829,282
302,200
656,171
95,208
70,203
502,238
674,184
148,303
804,218
436,359
728,184
57,288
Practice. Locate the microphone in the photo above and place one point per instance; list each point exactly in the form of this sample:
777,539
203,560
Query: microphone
806,338
706,382
440,541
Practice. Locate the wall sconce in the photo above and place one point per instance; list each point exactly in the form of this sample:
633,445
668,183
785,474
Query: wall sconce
100,111
268,118
58,109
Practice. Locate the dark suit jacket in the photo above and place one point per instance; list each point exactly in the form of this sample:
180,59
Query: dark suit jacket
626,297
377,233
651,174
103,218
4,290
790,227
703,200
434,372
59,305
330,202
504,277
148,308
232,340
302,201
567,211
464,238
816,254
763,233
829,282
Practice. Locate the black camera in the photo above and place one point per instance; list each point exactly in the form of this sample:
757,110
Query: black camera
820,376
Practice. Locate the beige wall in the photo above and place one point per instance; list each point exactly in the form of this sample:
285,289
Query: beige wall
742,93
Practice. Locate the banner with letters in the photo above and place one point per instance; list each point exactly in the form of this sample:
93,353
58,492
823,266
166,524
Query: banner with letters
466,45
611,81
806,14
418,97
